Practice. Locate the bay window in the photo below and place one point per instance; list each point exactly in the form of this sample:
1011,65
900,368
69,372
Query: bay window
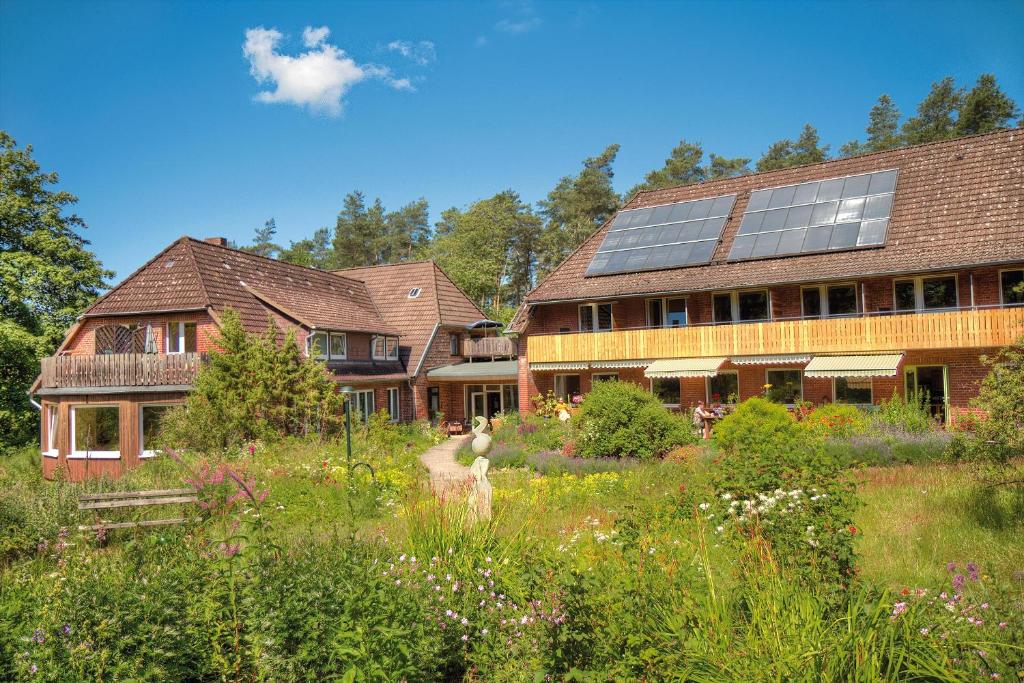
595,317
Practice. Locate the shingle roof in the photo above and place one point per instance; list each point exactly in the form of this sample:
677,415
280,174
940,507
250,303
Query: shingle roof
192,274
957,203
440,301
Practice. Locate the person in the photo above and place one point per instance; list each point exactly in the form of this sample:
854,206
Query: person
700,420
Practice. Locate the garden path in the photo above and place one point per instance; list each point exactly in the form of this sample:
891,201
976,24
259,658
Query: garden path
445,472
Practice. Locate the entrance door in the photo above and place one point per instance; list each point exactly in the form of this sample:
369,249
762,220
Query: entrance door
930,380
433,403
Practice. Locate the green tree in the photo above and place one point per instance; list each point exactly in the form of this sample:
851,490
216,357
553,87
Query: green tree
883,129
575,208
314,252
786,152
935,118
723,167
985,108
358,232
685,166
263,242
47,276
406,232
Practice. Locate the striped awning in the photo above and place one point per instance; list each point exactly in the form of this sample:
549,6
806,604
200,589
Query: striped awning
777,359
884,365
607,364
568,365
684,367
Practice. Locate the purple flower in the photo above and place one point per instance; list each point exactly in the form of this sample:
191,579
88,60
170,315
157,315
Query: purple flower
958,582
38,637
972,571
33,668
66,630
951,567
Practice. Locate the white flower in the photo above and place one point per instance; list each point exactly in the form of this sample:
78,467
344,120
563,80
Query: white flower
726,496
704,506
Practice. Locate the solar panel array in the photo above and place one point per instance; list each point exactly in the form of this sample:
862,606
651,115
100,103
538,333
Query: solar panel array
840,213
668,236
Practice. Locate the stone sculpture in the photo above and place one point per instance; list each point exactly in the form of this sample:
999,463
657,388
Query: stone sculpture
482,440
479,500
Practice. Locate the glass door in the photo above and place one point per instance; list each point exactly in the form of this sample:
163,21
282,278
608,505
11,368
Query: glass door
478,404
930,381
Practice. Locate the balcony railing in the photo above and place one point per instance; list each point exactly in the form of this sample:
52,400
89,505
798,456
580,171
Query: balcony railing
120,370
488,347
968,328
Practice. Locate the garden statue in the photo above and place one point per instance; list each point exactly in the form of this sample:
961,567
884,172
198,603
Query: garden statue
479,500
482,440
563,415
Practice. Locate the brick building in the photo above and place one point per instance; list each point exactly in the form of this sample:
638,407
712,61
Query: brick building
381,331
844,280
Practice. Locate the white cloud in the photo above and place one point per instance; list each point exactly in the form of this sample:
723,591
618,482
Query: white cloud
421,53
317,79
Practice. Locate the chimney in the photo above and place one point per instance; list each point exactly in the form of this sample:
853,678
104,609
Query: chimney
219,241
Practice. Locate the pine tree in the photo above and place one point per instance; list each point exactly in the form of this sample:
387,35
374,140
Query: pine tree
786,153
722,167
359,233
314,252
883,125
407,232
985,108
263,242
683,167
935,118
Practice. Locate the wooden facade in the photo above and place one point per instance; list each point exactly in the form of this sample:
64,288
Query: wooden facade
489,347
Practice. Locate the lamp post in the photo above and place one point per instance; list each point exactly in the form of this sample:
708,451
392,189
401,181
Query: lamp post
349,393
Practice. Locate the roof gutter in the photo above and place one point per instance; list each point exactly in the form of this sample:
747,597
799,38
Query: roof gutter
430,342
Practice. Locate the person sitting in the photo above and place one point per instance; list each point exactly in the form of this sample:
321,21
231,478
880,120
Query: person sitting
700,420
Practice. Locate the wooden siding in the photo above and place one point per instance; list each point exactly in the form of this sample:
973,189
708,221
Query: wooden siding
120,370
488,347
953,329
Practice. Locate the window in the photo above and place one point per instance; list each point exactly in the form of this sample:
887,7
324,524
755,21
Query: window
829,300
414,293
317,345
510,398
363,403
925,293
392,348
149,427
604,377
786,385
52,422
741,306
1011,287
433,402
853,390
595,317
385,348
95,432
666,389
455,344
566,386
393,407
181,337
666,312
724,388
339,346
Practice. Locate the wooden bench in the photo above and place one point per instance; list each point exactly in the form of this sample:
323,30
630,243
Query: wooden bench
134,499
455,428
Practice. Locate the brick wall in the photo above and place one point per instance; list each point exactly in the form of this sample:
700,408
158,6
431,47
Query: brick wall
83,342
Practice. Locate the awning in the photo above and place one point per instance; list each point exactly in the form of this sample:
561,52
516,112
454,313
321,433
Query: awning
567,365
607,364
777,359
684,367
854,366
498,370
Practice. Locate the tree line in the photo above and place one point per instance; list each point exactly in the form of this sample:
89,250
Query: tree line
497,249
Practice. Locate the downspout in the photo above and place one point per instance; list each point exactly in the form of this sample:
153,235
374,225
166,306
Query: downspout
419,366
33,402
972,289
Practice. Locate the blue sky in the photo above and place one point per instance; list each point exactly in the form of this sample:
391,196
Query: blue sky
150,111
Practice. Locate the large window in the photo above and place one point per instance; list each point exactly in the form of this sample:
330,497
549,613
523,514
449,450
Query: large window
666,312
1011,287
339,346
95,432
786,385
666,389
853,390
362,401
925,293
385,348
394,412
318,345
741,306
595,317
829,300
52,422
149,427
724,388
181,337
567,386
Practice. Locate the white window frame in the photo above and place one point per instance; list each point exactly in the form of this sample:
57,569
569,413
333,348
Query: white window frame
93,455
604,377
143,453
734,300
823,298
650,387
871,388
52,422
179,335
310,344
359,397
330,345
664,310
802,393
593,312
707,387
386,352
484,389
919,292
394,412
1002,300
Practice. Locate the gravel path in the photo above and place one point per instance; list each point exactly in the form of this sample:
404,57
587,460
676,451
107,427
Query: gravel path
445,472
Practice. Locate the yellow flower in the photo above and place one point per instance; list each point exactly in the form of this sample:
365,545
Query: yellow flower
766,387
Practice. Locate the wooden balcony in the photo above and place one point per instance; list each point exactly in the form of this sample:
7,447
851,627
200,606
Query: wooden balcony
488,347
119,370
973,328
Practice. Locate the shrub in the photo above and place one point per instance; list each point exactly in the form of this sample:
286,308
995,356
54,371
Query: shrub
835,421
621,419
911,414
758,426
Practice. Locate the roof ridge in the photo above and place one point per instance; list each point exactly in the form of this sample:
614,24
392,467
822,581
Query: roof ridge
933,143
437,291
448,277
130,276
199,274
383,265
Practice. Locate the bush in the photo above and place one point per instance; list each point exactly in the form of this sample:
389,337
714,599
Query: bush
621,419
911,414
836,421
758,426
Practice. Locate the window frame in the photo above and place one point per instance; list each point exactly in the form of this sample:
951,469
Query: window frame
180,336
455,344
663,302
311,342
143,453
871,389
93,455
386,341
918,281
768,371
359,398
394,412
52,425
330,345
707,387
734,305
679,389
1002,293
594,306
563,396
822,290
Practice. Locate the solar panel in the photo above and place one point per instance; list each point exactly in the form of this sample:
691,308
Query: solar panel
668,236
821,215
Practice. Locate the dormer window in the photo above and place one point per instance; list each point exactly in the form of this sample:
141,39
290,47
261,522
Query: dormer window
385,348
414,292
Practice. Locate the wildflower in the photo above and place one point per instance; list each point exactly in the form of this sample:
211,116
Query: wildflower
924,631
66,629
33,669
464,621
704,506
898,609
1002,625
972,571
465,637
398,582
402,558
487,559
413,559
958,582
484,632
984,605
38,637
951,567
